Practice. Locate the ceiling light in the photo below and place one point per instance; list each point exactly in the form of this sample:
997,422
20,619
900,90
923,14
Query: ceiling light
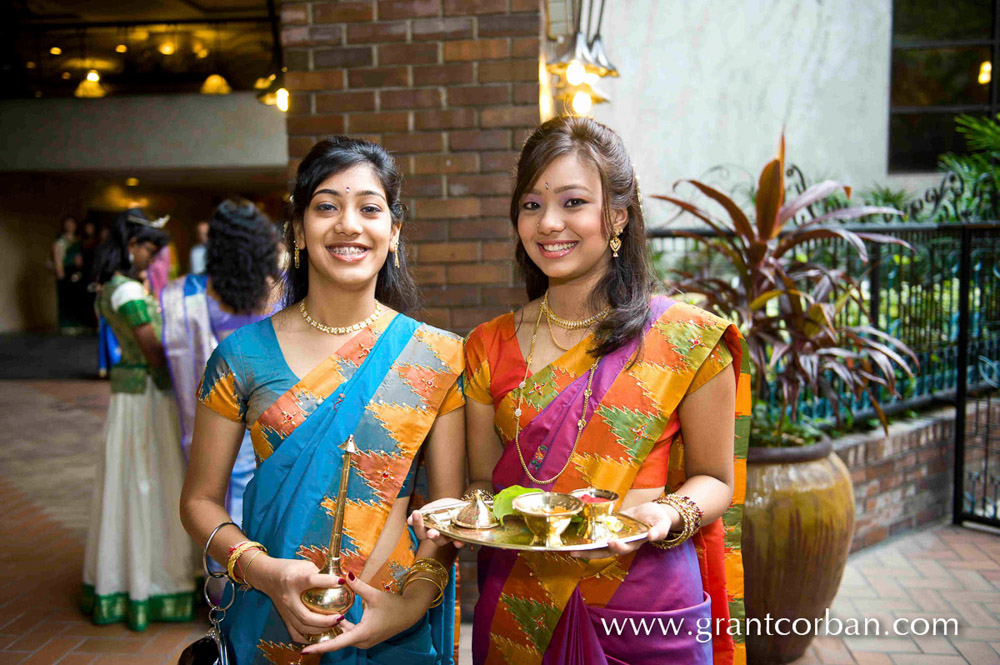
131,182
281,99
55,50
167,48
262,83
202,54
215,84
575,73
582,103
65,76
121,48
985,72
93,76
30,64
89,88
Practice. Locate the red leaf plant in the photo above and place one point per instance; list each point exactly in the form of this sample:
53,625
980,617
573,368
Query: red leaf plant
787,304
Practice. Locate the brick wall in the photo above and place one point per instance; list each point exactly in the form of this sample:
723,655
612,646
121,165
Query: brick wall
451,88
904,480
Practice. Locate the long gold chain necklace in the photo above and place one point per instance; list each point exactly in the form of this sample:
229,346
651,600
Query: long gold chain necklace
340,330
580,424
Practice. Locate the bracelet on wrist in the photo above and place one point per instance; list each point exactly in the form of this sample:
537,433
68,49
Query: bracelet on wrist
690,515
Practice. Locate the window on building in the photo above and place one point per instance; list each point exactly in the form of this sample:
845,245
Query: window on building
943,52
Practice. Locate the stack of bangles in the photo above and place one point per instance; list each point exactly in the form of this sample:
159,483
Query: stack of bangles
236,574
430,570
690,514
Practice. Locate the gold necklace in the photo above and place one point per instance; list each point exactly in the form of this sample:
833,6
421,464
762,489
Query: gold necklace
580,424
340,330
552,336
566,323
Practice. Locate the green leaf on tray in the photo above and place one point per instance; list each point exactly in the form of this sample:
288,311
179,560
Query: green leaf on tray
504,499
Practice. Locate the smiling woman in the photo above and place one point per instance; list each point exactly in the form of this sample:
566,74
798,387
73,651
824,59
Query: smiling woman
600,398
339,360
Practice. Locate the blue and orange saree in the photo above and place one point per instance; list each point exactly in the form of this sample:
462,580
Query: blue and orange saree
386,386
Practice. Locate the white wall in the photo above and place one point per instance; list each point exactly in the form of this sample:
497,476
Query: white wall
713,82
152,132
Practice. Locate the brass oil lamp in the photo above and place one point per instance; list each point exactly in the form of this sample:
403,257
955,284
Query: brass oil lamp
338,599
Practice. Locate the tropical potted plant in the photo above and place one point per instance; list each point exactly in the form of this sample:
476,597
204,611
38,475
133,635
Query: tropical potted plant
799,513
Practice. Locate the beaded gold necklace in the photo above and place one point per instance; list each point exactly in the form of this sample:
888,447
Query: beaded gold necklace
340,330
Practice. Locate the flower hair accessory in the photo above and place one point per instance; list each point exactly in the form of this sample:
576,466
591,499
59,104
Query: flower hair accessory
153,224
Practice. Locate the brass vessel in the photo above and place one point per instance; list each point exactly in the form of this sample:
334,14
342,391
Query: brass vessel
477,514
598,521
547,515
338,599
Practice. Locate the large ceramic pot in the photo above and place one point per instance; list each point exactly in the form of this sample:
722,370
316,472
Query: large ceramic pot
797,527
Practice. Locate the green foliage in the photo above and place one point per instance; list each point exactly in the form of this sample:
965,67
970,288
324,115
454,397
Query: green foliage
503,502
769,430
977,172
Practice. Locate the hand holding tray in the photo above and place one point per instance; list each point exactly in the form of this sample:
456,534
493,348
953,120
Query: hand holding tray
542,522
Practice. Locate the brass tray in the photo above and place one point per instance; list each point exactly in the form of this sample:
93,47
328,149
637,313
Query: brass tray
514,534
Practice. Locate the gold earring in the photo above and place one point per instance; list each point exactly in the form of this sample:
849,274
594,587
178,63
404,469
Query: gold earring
615,244
395,256
296,256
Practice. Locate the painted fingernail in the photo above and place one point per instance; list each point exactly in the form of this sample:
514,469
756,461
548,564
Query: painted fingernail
351,576
339,619
341,580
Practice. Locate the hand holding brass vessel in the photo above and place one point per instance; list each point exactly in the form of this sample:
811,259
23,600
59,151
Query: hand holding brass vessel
336,600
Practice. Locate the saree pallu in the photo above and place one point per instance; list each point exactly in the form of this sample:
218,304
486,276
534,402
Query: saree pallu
672,606
188,341
389,403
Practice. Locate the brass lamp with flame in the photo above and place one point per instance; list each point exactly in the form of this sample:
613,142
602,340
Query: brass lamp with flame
338,599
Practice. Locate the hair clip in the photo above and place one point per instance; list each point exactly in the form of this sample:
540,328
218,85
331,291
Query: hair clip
153,224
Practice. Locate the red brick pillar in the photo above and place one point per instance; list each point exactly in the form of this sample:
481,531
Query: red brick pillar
451,88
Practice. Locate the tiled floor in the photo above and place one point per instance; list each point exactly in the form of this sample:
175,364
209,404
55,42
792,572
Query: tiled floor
50,430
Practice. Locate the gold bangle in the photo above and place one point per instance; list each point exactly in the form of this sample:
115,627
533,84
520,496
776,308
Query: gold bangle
690,515
430,570
235,557
246,571
437,599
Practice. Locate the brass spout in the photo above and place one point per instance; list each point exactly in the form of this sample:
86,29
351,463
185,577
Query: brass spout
338,599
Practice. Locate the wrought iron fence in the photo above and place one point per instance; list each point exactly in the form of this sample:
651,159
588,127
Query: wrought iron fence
914,295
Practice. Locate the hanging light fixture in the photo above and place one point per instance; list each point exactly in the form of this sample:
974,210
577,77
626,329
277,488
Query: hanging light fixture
90,87
596,46
216,84
275,94
578,53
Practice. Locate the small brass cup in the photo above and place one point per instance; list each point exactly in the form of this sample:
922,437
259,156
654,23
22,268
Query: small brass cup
595,526
547,515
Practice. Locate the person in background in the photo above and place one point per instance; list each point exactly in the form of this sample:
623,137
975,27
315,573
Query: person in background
139,564
67,263
200,310
197,263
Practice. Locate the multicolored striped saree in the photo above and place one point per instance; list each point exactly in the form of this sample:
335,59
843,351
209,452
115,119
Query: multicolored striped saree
548,609
386,386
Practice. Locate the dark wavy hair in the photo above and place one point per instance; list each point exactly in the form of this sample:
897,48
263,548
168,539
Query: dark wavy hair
394,286
113,256
628,284
242,254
